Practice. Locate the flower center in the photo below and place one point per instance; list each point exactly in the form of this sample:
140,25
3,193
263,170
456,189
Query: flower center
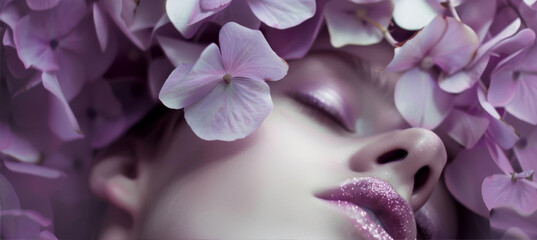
91,113
427,63
54,43
360,13
528,175
227,78
516,75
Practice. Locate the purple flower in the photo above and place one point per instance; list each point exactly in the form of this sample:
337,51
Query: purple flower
405,13
353,23
224,93
514,190
188,15
513,85
445,44
509,219
138,21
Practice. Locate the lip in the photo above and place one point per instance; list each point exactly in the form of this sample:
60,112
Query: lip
380,197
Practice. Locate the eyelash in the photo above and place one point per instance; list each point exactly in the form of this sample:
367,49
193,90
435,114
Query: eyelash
321,112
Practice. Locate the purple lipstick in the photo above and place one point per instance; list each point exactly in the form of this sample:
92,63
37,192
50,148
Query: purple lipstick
379,197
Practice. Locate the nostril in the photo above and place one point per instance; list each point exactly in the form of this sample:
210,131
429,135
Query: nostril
420,178
392,156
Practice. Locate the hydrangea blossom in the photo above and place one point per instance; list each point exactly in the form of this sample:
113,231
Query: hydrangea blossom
188,15
224,93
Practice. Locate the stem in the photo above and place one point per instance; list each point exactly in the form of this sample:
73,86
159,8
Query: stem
387,35
453,11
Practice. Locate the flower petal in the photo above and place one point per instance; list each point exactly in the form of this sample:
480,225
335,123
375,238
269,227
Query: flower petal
230,111
159,69
415,49
346,28
282,14
526,150
38,5
246,53
213,4
101,26
464,127
62,120
464,175
180,12
179,51
502,88
478,14
184,87
456,48
500,191
426,109
405,13
464,79
522,105
295,42
33,169
506,218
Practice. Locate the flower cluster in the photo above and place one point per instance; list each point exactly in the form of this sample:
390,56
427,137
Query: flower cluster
77,74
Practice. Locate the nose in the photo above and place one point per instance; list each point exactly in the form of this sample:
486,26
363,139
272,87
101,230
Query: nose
410,160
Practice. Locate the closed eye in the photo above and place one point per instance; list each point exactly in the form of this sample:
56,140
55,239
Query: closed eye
322,110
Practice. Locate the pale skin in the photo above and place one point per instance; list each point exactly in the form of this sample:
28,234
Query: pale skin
265,186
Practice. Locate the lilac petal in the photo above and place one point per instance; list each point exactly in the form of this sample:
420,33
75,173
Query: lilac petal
478,14
505,218
238,12
179,51
148,14
22,224
8,196
32,169
526,150
464,79
31,49
12,12
522,40
62,119
159,70
465,128
427,109
415,49
294,43
456,48
38,5
230,111
101,26
502,88
213,4
405,13
508,31
246,53
464,175
184,87
346,28
21,150
180,11
282,14
500,191
47,235
498,155
522,105
503,133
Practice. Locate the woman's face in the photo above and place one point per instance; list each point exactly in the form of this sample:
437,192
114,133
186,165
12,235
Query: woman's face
330,162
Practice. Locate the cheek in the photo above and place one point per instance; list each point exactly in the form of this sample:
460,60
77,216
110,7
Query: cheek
266,184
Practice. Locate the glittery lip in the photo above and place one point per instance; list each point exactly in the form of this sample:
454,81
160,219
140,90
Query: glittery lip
380,197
